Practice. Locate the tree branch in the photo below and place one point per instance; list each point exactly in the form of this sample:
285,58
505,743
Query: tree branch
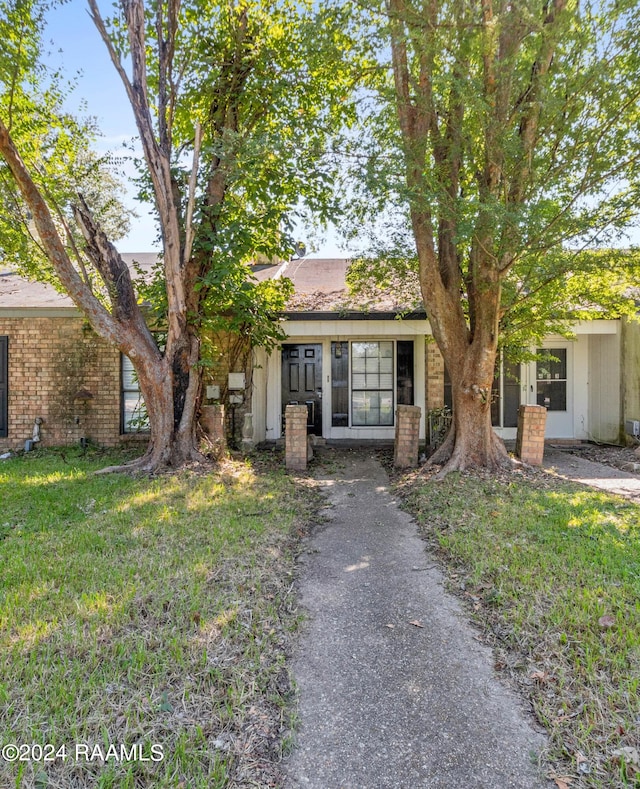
78,290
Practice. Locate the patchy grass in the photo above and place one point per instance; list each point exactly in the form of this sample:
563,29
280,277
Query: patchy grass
145,612
551,573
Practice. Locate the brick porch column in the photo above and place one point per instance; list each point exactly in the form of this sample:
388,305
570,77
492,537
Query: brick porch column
212,422
532,420
295,443
407,436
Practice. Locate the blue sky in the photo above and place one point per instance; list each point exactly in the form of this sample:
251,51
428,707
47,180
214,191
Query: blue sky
74,45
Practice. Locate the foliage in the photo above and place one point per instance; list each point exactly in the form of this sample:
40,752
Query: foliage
568,191
500,142
536,300
233,102
56,145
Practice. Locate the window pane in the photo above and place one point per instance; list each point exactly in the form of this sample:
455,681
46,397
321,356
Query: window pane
511,387
359,381
552,395
372,383
552,365
551,374
129,377
359,408
386,408
134,413
404,377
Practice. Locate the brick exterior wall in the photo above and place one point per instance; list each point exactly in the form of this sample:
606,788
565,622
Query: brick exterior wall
50,361
435,377
229,354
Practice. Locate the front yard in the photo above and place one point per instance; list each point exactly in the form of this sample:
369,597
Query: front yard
144,624
550,572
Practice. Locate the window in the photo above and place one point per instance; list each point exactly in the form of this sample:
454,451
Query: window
404,372
4,387
134,417
551,375
505,394
372,383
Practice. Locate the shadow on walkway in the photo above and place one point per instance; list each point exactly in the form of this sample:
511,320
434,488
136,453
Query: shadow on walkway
394,689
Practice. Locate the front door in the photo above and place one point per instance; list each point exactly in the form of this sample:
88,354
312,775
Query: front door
550,385
302,381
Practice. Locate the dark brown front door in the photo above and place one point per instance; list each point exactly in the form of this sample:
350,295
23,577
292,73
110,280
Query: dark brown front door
302,381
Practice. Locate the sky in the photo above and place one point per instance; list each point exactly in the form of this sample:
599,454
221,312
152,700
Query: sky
74,45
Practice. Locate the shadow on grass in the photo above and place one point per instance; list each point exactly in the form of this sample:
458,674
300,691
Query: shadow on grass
146,610
550,571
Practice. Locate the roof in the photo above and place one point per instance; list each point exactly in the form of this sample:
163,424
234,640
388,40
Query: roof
319,288
19,293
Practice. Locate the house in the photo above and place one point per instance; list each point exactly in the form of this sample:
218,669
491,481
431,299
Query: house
350,362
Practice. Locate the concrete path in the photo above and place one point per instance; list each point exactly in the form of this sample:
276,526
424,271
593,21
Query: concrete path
395,692
597,475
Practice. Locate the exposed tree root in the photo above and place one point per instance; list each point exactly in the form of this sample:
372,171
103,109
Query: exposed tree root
458,455
158,462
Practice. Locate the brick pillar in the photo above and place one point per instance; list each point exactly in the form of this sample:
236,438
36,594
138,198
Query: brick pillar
530,438
212,422
295,437
407,436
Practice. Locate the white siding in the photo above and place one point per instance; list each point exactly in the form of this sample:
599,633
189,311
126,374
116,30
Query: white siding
604,388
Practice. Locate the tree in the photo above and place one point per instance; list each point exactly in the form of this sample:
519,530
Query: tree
516,126
232,102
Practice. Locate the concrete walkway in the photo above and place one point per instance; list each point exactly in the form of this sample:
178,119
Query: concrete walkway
597,475
395,692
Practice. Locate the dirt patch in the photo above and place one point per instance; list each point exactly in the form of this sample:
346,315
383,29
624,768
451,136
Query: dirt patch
624,458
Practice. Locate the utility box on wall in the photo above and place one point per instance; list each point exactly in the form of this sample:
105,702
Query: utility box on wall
236,381
632,427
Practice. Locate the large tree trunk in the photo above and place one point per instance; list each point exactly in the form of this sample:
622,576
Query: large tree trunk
471,441
171,392
173,440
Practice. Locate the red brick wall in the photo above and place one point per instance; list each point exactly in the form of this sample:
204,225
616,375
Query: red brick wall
50,360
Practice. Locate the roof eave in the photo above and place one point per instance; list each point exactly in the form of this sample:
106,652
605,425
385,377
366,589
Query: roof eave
335,315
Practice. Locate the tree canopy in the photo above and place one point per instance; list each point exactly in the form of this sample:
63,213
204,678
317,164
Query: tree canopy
233,101
503,150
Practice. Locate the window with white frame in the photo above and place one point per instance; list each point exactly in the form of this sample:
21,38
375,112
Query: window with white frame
134,418
372,383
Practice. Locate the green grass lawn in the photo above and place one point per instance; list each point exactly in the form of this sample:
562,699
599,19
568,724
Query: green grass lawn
146,612
551,572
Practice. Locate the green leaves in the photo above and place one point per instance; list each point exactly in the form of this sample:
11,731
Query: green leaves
511,141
